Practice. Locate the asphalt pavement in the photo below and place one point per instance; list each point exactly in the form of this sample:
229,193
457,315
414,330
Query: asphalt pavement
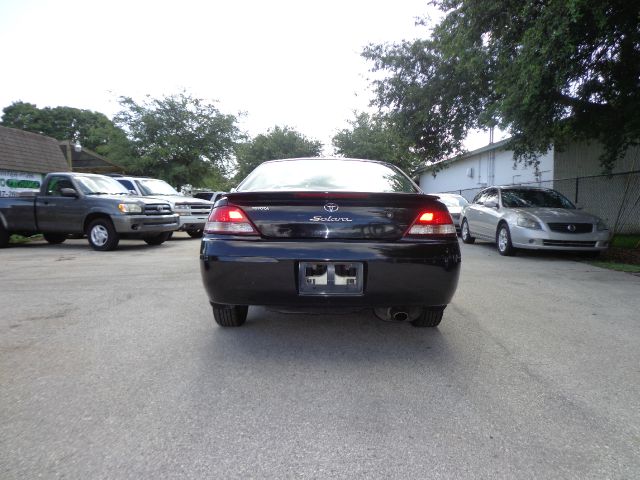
111,367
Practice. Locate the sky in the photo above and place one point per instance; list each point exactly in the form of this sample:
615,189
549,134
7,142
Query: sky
279,62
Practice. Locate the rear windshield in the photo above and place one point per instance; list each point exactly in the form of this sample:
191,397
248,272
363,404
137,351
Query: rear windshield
327,175
524,198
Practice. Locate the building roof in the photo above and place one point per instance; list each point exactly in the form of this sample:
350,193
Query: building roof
487,148
88,161
30,152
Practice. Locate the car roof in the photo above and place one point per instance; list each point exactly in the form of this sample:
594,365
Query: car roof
328,158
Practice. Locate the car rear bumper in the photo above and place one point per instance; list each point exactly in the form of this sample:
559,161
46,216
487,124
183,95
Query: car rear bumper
249,272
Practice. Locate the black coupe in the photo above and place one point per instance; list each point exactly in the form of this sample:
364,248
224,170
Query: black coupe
312,233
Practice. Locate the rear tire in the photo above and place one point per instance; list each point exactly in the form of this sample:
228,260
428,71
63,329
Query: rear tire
102,235
54,238
4,237
430,317
194,233
158,239
230,315
465,233
503,241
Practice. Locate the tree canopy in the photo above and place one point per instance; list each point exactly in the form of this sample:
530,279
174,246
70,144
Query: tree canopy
92,130
279,142
179,138
548,71
373,137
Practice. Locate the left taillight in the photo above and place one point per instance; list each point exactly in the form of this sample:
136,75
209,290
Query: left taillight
229,220
432,222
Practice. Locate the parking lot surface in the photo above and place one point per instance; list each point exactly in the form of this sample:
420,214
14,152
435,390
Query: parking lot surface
111,367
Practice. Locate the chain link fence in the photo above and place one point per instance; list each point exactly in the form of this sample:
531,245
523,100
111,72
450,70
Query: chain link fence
614,198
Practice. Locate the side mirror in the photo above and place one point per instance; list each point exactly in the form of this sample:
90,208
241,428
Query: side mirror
69,192
491,204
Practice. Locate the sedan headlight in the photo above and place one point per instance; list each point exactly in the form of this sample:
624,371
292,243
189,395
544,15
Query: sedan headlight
528,222
130,207
601,226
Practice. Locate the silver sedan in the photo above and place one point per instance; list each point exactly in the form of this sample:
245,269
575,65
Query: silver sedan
455,204
531,218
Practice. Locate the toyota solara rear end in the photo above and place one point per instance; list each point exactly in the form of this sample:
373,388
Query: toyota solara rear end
309,233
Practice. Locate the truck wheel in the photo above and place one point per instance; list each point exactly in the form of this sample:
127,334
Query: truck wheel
4,237
158,239
54,238
102,236
195,233
229,315
430,317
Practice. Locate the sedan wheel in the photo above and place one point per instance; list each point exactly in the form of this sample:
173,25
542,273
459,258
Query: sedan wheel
430,317
504,241
466,234
229,315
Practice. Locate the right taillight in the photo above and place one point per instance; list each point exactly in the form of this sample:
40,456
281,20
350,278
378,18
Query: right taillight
229,220
432,222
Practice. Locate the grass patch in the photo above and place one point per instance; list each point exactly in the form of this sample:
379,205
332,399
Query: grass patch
17,239
626,241
619,267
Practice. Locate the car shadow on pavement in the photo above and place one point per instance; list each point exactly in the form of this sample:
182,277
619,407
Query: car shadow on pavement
338,338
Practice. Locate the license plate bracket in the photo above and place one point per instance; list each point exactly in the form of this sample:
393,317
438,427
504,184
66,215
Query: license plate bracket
330,278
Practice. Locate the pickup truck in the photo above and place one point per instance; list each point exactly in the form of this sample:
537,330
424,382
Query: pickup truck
79,204
193,212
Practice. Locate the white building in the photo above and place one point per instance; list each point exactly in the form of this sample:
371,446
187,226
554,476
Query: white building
574,170
489,165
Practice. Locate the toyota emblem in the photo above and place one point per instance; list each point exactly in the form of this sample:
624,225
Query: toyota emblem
331,207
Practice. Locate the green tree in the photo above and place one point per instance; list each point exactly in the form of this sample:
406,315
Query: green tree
374,137
548,71
179,138
93,130
279,142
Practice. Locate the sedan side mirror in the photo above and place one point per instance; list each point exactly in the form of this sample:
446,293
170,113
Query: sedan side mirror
491,204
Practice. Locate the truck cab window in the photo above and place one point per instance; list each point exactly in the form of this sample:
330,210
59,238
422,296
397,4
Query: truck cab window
56,184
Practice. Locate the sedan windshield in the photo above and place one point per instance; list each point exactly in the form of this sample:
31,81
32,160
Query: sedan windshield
327,175
152,186
523,198
99,185
453,201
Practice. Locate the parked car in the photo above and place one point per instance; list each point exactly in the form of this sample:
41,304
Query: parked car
213,197
532,218
314,232
193,212
77,204
455,203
